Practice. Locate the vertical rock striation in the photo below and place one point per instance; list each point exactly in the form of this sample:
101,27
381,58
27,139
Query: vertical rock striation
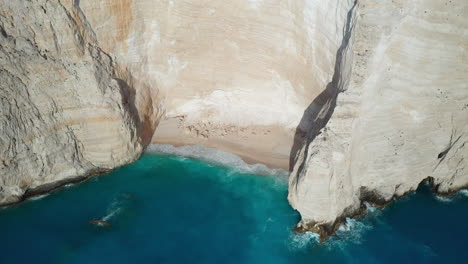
66,107
403,118
237,75
84,83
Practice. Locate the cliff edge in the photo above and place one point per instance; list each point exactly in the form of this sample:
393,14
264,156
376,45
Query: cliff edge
401,120
67,108
361,100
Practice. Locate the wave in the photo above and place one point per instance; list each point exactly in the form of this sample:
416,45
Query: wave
455,197
352,232
370,208
118,205
216,156
299,241
111,214
464,193
35,198
443,199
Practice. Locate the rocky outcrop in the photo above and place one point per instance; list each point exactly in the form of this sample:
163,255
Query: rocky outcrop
94,78
84,84
67,108
402,119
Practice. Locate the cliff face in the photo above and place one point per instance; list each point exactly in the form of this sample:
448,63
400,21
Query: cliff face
237,75
86,82
402,119
362,100
67,109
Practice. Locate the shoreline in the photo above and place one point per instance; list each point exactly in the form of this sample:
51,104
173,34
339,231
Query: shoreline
216,157
48,188
326,230
250,158
268,145
269,163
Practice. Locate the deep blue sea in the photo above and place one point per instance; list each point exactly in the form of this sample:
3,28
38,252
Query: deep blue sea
169,209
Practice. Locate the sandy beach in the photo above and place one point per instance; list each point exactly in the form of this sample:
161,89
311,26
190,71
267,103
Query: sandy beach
269,145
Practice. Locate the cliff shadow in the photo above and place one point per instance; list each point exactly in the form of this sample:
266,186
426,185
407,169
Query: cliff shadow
143,117
318,113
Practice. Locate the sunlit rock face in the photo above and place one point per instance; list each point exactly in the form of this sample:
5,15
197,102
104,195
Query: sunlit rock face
402,119
85,83
362,101
66,109
235,75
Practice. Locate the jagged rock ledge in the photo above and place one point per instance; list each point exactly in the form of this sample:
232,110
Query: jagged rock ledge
49,187
402,118
53,186
69,108
85,83
372,198
57,185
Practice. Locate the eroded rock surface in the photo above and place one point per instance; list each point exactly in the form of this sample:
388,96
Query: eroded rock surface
237,75
402,119
66,108
363,101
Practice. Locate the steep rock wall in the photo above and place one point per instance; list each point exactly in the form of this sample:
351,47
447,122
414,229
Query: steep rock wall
84,84
402,119
66,108
238,75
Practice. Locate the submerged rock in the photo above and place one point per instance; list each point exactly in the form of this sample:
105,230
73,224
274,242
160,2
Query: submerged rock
100,223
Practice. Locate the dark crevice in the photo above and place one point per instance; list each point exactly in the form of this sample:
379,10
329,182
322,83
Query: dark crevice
319,112
3,32
128,94
442,155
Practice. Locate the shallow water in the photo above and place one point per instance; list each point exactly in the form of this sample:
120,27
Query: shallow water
168,209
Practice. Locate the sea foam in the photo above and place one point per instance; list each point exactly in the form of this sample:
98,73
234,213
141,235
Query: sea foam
35,198
459,195
443,199
370,208
215,156
301,241
118,205
111,214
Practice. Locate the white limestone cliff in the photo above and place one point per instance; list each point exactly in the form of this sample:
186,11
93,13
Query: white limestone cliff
362,100
66,109
235,75
402,120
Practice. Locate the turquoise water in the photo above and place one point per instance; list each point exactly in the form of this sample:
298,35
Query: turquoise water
167,209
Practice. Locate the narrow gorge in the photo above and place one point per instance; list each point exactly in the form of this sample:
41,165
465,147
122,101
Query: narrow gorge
361,101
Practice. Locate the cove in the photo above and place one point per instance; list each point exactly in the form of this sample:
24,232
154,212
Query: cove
169,209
